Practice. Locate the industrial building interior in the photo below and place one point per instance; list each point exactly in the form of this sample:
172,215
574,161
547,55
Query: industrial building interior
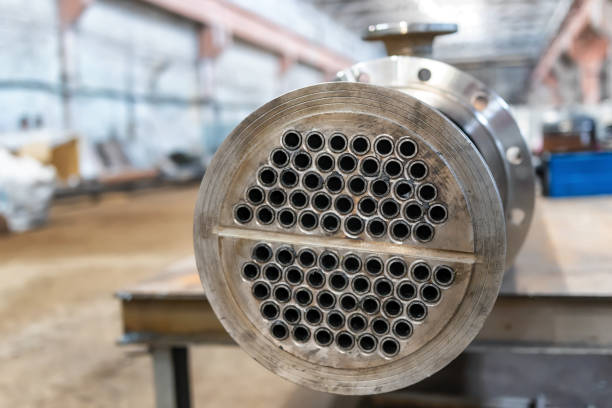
114,294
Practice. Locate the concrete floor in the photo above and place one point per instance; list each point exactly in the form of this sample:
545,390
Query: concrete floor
59,321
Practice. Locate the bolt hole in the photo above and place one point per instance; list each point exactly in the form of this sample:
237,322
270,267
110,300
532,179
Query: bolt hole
514,156
424,75
480,101
517,216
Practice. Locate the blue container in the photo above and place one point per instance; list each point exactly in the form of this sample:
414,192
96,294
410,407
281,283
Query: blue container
578,174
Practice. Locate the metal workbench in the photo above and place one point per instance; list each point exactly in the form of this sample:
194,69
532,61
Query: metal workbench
557,299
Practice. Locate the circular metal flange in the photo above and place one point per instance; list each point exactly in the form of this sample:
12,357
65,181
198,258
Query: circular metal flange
326,290
403,38
483,116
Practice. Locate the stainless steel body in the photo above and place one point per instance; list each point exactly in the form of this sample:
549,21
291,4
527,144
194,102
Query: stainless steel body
482,115
352,236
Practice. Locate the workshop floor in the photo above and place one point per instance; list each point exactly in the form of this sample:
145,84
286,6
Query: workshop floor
59,322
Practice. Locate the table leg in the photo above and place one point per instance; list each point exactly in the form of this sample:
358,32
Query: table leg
171,376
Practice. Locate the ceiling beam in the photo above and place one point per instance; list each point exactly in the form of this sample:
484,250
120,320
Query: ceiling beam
256,30
575,21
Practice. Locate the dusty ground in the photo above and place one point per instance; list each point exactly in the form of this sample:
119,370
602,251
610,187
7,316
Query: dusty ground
59,321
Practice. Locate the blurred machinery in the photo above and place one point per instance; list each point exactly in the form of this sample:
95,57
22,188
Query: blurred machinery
352,236
572,164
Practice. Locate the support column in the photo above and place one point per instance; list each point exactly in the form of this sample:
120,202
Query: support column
171,376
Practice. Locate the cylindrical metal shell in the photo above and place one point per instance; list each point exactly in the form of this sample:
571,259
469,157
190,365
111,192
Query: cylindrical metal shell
350,237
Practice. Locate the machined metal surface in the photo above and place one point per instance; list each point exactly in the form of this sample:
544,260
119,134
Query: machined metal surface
483,116
350,237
